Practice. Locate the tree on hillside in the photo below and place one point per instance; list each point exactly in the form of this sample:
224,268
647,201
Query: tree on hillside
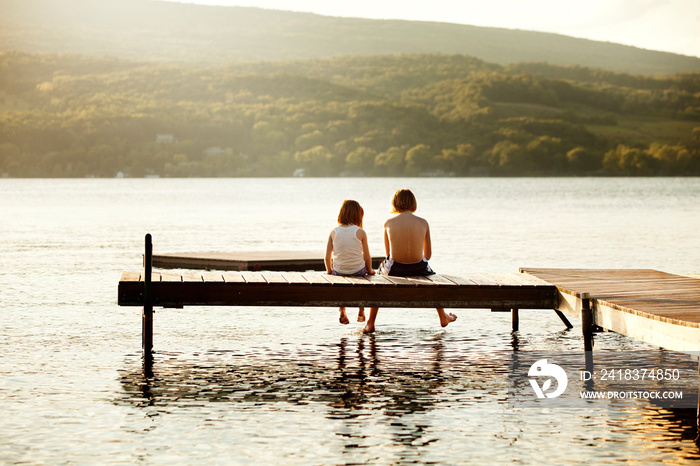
390,162
360,161
419,160
461,160
582,160
624,160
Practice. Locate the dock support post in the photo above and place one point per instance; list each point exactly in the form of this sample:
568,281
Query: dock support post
697,416
147,318
515,317
587,327
587,321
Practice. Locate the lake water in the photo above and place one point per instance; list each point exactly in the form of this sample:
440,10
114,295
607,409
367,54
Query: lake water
292,386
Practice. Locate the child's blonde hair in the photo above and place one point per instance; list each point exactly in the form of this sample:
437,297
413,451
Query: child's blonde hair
351,213
403,201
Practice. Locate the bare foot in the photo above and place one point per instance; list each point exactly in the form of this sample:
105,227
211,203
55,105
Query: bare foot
449,318
369,326
361,317
344,318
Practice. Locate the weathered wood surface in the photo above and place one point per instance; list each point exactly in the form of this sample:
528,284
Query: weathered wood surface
660,308
489,291
240,261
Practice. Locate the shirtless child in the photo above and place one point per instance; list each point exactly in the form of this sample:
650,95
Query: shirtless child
408,248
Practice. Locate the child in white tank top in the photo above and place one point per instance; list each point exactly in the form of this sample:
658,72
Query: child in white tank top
347,251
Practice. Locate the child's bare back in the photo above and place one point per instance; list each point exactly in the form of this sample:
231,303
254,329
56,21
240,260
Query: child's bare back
407,238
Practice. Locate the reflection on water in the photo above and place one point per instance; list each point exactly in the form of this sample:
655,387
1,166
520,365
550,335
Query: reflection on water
372,394
358,383
353,379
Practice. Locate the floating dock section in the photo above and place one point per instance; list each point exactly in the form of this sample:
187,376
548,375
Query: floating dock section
658,308
299,261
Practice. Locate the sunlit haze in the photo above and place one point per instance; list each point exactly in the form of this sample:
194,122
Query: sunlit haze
665,25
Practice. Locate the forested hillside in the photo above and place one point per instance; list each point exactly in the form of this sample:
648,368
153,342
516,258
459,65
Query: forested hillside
423,114
182,33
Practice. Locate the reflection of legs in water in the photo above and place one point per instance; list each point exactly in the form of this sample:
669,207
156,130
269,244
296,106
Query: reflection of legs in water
341,353
373,357
343,317
361,363
445,319
361,314
369,327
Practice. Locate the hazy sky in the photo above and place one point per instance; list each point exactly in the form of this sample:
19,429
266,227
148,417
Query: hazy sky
668,25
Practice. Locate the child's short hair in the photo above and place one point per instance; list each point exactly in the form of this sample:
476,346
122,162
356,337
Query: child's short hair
351,213
403,201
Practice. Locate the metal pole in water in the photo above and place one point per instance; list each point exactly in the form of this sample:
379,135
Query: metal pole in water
587,327
147,328
587,321
697,421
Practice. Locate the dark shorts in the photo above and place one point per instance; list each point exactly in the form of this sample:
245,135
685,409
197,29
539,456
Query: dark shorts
398,269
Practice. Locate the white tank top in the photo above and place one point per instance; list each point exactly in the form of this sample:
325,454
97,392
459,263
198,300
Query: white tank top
347,250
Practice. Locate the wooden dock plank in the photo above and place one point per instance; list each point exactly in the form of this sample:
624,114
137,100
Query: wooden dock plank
337,280
441,280
233,278
359,280
461,280
211,277
499,279
192,277
275,278
528,280
402,281
316,278
422,281
130,277
380,280
253,278
171,277
295,278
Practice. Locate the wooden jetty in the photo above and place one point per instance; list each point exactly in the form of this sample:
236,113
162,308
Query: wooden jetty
659,308
249,260
656,307
498,292
146,289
